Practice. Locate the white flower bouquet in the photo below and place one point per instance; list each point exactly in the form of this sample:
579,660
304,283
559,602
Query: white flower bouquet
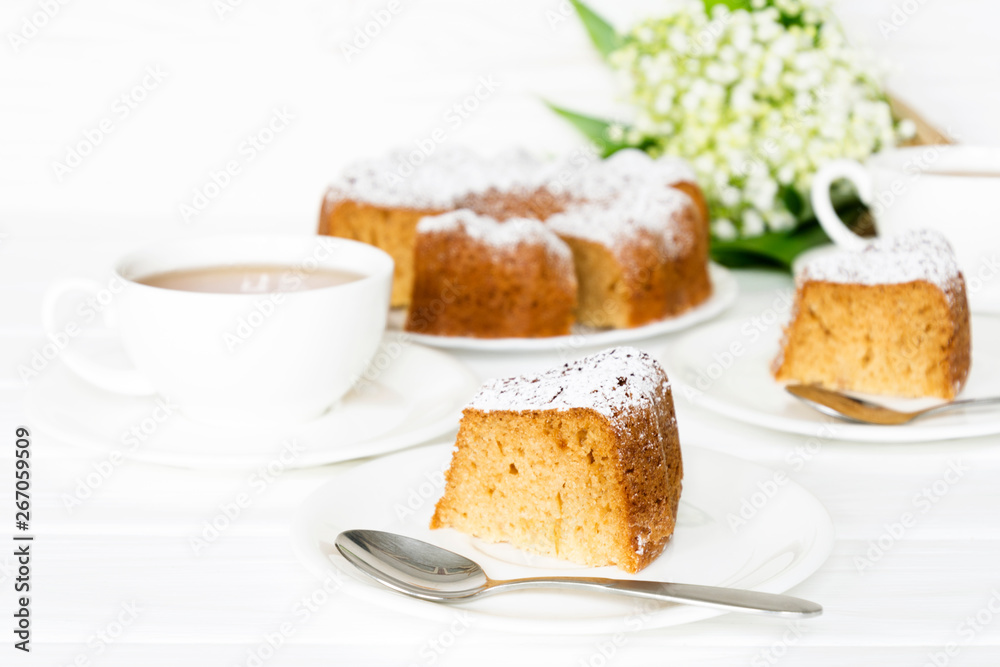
757,95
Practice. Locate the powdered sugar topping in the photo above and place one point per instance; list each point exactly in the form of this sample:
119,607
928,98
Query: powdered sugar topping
629,170
505,235
410,179
613,223
917,255
611,382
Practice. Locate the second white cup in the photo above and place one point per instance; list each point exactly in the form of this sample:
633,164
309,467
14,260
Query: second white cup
953,189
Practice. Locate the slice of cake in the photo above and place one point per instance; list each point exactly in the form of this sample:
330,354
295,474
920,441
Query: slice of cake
477,276
891,319
581,462
638,259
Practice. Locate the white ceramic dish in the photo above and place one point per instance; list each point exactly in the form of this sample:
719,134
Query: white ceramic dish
787,539
704,369
275,356
723,296
418,396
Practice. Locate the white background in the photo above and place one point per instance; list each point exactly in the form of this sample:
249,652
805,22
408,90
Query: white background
224,78
226,75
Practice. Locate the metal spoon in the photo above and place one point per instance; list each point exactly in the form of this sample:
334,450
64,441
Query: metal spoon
428,572
845,407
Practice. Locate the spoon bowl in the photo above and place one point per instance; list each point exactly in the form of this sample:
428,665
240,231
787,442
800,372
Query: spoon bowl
411,566
428,572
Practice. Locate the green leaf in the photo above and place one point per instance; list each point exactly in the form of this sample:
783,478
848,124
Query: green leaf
595,129
733,5
793,201
602,33
777,249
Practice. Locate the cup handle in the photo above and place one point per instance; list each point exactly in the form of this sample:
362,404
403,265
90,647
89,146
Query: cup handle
118,380
823,206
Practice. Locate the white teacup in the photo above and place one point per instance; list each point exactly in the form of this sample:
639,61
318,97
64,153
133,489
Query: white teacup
953,189
270,356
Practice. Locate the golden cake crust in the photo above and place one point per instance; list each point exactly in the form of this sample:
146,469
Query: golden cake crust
477,277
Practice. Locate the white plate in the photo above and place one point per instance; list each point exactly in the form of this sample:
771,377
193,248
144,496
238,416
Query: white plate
417,397
704,369
724,291
984,300
786,539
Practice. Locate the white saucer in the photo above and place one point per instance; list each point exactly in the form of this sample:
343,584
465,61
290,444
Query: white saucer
703,369
417,397
984,297
724,291
787,537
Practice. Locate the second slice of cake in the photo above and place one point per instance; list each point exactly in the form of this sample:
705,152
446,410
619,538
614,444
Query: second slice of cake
581,462
891,319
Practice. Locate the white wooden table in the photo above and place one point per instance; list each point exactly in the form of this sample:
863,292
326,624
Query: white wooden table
115,580
129,546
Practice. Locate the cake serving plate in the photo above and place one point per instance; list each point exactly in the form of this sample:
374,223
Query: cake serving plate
724,292
418,395
786,540
725,368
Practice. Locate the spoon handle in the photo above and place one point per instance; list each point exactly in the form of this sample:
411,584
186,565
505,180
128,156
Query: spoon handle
730,599
963,403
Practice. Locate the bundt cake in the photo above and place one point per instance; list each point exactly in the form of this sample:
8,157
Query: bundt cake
891,319
580,462
651,262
